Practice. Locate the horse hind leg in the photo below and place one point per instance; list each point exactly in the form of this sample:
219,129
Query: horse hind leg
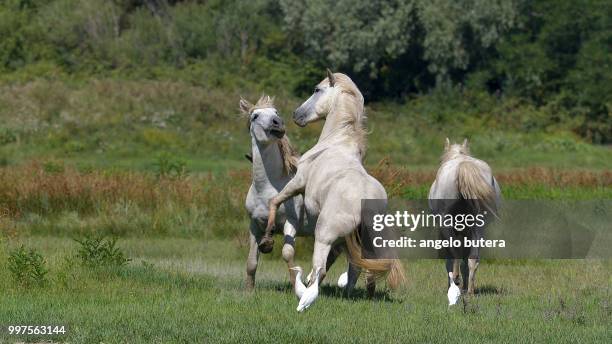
319,258
473,266
465,276
252,261
452,265
331,258
371,285
353,276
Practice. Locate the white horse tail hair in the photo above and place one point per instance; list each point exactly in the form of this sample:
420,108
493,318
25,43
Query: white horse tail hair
472,186
377,268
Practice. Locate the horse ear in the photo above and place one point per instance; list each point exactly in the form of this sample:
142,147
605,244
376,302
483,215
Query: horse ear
245,106
465,143
446,144
331,78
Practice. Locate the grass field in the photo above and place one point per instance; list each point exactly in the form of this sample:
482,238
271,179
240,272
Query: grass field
158,165
123,174
186,238
184,290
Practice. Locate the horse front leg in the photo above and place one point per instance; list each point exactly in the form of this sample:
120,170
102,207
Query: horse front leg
289,233
252,260
294,187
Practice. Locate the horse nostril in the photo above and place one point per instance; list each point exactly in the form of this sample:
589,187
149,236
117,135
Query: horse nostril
275,121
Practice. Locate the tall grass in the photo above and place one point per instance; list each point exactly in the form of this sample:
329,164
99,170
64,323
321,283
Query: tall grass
118,202
42,198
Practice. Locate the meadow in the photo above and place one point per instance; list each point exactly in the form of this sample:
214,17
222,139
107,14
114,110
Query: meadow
191,291
123,177
180,263
159,167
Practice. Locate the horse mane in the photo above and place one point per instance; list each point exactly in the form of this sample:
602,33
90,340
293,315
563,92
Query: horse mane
453,151
351,111
289,154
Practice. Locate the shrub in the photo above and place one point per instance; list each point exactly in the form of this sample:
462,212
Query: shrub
99,251
169,166
7,136
27,267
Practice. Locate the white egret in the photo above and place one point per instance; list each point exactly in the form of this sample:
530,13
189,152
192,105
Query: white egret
300,288
453,291
311,293
343,280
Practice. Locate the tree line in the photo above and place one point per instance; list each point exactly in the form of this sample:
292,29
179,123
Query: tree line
554,54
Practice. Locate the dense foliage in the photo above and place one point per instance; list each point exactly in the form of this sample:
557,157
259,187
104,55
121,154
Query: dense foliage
553,55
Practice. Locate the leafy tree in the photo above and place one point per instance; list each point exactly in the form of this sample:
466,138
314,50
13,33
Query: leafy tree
365,37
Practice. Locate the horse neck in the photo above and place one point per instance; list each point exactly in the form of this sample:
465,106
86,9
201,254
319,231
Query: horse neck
268,166
336,128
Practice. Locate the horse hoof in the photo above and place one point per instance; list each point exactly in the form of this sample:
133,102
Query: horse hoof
266,245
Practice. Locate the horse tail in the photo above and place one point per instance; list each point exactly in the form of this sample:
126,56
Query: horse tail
472,186
377,268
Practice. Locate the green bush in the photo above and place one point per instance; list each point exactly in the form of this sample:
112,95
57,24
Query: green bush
7,136
169,166
100,252
53,166
28,267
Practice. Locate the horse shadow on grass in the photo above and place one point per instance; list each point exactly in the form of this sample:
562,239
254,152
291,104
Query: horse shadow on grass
334,291
488,289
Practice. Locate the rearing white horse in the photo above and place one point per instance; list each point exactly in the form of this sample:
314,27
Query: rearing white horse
333,180
274,162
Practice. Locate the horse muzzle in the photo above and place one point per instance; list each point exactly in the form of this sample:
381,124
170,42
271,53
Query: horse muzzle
277,132
299,119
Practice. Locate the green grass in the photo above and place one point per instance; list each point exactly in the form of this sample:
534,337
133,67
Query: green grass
125,124
178,290
95,143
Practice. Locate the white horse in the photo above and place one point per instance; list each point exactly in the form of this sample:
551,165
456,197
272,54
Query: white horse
333,180
274,162
462,177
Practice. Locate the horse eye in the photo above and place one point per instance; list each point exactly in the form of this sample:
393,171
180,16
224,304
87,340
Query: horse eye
317,90
254,117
